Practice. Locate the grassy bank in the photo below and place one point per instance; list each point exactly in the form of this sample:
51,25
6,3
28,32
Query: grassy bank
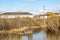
16,25
30,24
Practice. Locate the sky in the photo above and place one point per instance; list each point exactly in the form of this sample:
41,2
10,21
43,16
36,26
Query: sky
33,6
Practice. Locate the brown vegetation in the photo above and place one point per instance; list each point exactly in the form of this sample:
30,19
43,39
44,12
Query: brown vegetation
54,24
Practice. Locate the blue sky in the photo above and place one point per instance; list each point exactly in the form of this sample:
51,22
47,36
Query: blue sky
33,6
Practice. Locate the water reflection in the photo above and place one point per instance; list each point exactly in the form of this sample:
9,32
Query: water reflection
53,36
38,36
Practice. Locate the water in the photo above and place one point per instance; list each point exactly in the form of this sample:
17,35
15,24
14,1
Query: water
38,36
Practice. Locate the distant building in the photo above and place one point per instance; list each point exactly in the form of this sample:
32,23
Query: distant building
40,16
43,16
16,14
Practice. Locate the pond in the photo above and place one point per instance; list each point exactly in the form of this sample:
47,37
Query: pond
38,36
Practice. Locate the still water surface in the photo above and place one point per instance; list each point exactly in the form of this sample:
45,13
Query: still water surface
38,36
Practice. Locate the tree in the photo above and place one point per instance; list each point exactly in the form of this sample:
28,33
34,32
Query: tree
51,14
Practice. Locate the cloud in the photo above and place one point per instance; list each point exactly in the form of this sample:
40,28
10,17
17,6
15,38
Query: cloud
59,6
